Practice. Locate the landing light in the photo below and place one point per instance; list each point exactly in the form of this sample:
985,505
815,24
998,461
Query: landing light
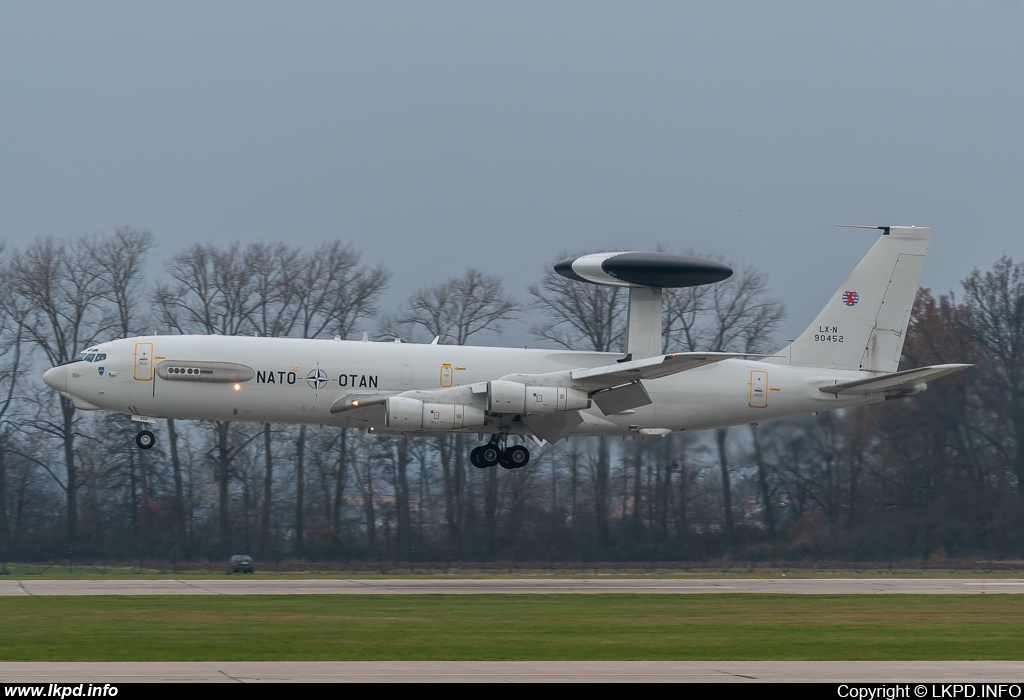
355,403
238,387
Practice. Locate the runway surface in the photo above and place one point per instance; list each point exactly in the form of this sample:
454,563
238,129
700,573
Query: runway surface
248,586
516,671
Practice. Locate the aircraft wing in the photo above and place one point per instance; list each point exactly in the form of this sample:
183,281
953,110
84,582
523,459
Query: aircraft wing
648,368
894,382
616,388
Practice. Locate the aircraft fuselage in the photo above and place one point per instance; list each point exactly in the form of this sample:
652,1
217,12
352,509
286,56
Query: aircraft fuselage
287,380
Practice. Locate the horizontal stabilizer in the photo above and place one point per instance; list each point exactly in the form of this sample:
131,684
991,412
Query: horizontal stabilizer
892,382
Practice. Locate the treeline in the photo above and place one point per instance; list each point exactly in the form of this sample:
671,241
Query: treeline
940,474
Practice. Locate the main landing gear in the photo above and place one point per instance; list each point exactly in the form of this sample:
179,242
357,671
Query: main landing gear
496,452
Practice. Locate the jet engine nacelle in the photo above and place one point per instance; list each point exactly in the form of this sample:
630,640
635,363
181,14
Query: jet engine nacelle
512,397
403,413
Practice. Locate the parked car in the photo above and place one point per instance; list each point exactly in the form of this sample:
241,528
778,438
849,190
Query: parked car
240,564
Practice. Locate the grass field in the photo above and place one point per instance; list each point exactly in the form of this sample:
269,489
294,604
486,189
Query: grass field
519,627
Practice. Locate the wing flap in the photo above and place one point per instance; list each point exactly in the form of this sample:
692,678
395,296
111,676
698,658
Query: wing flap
895,381
552,427
622,398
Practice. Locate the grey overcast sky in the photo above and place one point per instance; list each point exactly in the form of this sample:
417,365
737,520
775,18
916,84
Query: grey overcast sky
438,136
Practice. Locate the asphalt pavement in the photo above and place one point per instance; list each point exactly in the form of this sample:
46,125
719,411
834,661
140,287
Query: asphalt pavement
912,672
242,585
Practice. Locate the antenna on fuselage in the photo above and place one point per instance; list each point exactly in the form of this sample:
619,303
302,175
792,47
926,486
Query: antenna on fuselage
646,275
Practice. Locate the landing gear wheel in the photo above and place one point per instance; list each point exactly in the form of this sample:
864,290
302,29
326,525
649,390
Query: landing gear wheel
145,440
474,458
489,455
515,457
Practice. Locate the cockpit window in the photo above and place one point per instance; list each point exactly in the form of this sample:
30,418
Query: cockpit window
89,358
79,356
101,357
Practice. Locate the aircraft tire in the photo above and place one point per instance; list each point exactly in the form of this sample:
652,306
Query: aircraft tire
145,439
474,458
515,457
489,455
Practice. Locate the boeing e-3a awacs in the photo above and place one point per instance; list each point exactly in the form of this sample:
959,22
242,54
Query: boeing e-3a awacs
848,356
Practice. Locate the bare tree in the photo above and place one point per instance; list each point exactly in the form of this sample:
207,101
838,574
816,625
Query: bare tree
333,292
327,291
453,310
995,322
459,308
736,315
276,297
336,291
63,313
581,316
11,332
272,290
117,261
213,292
273,268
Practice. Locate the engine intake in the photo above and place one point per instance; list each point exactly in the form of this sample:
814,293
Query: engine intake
404,413
512,397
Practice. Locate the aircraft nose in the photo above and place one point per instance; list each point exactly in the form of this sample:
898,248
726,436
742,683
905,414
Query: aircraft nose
57,378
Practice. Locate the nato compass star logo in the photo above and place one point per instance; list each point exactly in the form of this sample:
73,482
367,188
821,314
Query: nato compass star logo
317,379
850,298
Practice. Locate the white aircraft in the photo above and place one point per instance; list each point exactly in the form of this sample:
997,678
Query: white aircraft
847,357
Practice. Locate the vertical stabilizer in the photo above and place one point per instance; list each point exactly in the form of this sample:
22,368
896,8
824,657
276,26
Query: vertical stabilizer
864,324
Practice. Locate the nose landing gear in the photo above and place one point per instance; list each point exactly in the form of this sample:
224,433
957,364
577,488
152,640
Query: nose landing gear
494,453
145,439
